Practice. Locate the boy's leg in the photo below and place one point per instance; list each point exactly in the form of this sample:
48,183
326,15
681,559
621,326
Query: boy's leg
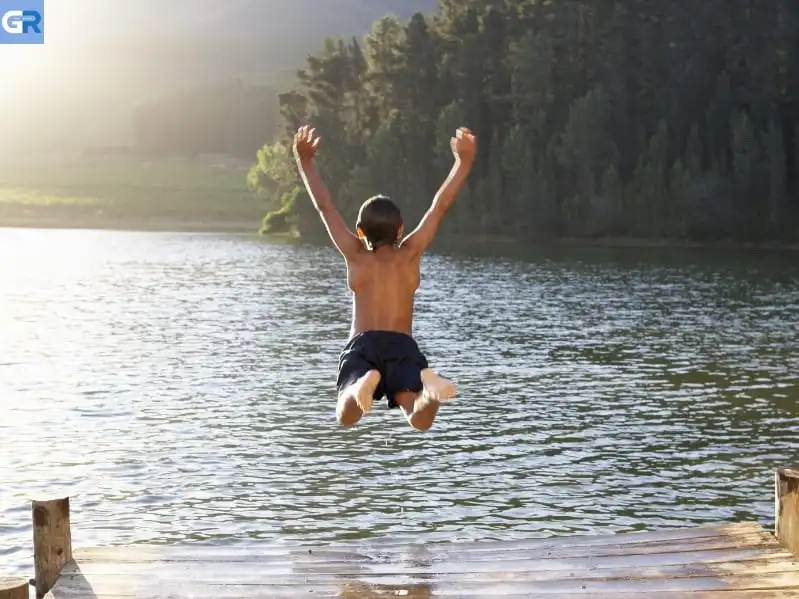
358,379
413,386
356,399
418,408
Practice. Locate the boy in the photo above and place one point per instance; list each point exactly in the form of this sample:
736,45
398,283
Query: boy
383,272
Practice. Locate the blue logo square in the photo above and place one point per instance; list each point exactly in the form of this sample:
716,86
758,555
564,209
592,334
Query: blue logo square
21,21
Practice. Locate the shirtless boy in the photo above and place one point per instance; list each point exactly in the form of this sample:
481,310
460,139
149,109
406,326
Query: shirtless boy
381,357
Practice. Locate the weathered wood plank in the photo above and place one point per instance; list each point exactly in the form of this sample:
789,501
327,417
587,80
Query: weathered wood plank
299,560
256,573
148,588
755,541
356,592
415,564
787,507
669,534
52,541
349,550
13,588
426,593
364,553
689,532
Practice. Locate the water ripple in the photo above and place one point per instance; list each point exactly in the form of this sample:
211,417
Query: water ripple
181,387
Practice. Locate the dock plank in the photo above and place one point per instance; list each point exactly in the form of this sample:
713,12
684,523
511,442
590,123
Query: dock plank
670,537
710,587
430,553
722,562
516,570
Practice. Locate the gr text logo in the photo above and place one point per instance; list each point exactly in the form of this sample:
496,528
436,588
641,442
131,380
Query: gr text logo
21,22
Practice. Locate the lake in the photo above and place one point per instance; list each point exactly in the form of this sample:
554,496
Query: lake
181,387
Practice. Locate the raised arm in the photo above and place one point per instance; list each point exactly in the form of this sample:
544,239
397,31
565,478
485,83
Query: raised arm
464,148
305,146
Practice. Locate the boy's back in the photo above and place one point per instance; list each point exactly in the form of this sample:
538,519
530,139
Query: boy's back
381,357
384,285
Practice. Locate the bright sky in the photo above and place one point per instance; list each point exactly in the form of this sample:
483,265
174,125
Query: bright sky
45,86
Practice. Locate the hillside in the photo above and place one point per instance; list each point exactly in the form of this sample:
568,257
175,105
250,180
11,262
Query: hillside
79,90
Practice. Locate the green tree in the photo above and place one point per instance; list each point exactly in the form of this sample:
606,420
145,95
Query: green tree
594,117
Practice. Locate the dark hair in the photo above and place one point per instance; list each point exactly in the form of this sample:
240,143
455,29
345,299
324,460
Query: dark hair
380,220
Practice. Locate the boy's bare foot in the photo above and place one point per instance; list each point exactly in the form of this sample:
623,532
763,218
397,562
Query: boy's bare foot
418,409
424,413
436,387
363,390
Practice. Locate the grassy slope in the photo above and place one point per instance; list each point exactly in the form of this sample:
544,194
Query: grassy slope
128,194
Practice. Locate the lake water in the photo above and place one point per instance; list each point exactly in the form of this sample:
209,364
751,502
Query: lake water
181,388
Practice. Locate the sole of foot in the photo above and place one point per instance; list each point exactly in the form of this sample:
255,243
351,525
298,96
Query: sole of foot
363,390
436,387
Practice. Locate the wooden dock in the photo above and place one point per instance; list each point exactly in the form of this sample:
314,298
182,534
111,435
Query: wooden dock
729,561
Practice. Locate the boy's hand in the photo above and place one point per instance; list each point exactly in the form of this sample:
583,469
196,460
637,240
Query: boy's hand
464,145
306,143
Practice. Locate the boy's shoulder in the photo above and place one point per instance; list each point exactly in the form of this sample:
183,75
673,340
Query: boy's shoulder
398,258
399,254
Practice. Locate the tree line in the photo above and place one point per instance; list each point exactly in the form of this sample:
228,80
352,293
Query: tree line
636,118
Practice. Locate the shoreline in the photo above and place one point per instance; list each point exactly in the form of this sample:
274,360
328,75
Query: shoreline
644,243
143,225
251,227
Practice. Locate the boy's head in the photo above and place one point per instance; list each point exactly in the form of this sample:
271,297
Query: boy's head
379,222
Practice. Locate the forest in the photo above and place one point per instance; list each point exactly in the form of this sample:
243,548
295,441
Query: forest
595,118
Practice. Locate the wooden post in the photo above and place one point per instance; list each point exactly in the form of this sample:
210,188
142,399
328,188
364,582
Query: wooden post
52,542
786,491
13,588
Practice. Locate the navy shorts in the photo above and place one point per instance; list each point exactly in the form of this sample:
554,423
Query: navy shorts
396,356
